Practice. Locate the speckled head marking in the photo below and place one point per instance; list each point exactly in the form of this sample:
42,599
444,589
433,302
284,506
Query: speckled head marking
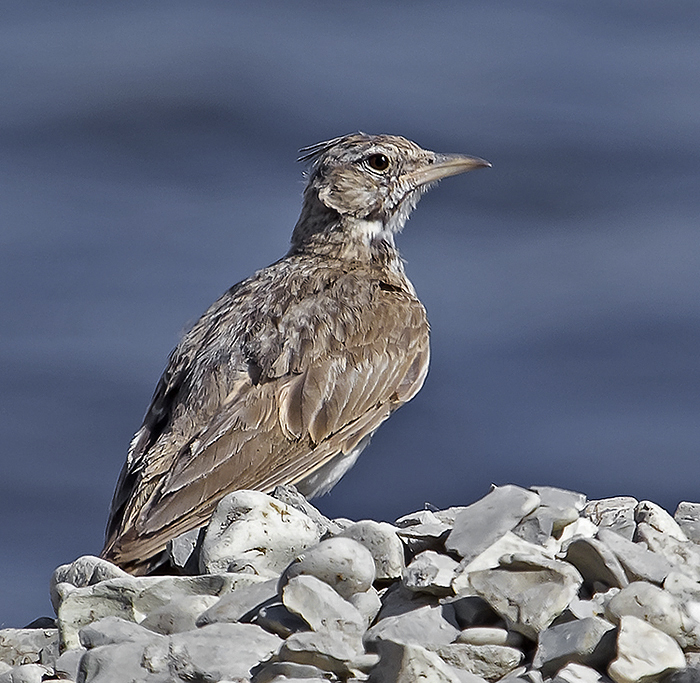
370,184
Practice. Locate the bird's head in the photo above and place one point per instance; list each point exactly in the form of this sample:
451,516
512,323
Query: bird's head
373,182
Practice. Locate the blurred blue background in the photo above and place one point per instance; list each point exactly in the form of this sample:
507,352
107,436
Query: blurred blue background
147,162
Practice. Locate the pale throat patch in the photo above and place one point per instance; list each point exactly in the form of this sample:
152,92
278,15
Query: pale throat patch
371,231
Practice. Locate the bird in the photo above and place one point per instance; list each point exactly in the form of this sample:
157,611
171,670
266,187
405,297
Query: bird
286,377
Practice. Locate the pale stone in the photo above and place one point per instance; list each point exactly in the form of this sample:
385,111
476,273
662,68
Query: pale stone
131,598
509,544
422,530
276,618
643,653
85,571
220,651
409,663
657,607
234,606
287,671
289,495
367,604
688,517
551,496
491,662
528,595
595,562
183,551
24,645
683,555
25,673
381,539
252,532
638,562
343,563
430,572
66,666
578,673
320,606
179,615
589,641
484,635
615,513
329,651
657,518
425,625
481,524
113,630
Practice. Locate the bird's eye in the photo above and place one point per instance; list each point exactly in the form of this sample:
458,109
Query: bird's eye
379,162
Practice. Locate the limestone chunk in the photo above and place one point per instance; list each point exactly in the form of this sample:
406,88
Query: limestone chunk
343,563
252,532
425,625
657,607
643,653
408,663
688,517
528,595
589,641
491,662
616,514
320,606
481,524
382,540
638,562
430,572
596,563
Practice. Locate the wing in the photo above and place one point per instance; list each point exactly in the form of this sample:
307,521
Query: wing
308,383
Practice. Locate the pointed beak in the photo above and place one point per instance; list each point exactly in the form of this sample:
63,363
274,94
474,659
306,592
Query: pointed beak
444,166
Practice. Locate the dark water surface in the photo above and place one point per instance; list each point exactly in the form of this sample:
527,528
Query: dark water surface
147,163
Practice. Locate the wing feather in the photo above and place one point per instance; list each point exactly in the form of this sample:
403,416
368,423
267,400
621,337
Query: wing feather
327,386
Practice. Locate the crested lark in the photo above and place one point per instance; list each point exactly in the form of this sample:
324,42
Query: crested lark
287,376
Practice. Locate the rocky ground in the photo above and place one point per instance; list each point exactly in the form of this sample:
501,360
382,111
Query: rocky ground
523,585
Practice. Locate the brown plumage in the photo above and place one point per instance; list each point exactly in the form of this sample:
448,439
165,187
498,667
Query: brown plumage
286,377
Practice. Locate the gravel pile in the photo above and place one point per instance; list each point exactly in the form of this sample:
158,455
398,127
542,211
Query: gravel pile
524,585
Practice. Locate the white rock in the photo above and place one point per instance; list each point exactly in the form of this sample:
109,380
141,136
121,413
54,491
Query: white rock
528,594
481,524
381,539
657,518
328,650
643,653
578,673
233,606
253,532
638,562
425,625
320,606
595,562
589,641
367,604
409,663
85,571
613,513
657,607
490,662
179,615
683,555
131,598
24,645
484,635
430,572
508,544
688,517
343,563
